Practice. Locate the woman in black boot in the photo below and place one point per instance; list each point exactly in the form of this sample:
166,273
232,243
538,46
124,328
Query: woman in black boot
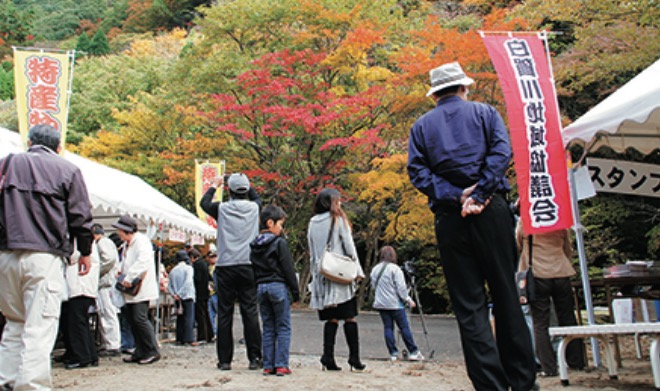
334,301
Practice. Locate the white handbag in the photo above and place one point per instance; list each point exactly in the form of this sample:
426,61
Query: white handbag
335,267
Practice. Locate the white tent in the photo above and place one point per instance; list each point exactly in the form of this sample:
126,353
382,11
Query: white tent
629,117
113,193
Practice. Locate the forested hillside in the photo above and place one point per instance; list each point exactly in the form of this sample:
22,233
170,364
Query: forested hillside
299,94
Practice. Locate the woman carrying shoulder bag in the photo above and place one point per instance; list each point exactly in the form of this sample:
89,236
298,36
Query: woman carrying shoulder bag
391,297
334,301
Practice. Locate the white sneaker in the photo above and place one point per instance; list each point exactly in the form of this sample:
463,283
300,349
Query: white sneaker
416,356
393,358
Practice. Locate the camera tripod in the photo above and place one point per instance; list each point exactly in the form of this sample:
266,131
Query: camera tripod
413,288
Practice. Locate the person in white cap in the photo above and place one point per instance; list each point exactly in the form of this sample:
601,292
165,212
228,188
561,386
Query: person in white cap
458,154
238,225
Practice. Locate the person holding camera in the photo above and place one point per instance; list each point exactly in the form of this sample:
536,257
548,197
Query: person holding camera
334,301
391,297
238,225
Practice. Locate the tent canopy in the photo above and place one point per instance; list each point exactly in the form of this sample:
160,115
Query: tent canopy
113,193
629,117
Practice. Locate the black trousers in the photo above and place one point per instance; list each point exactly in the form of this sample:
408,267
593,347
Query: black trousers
143,330
204,327
237,283
185,323
3,321
561,293
476,251
78,337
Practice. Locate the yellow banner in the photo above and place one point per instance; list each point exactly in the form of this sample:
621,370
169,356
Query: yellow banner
204,174
42,89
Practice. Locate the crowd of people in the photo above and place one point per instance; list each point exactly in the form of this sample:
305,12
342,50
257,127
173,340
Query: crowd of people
52,275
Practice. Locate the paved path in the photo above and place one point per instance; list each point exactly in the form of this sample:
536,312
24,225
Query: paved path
307,336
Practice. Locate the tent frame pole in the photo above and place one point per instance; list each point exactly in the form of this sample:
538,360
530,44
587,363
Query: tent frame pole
584,268
577,225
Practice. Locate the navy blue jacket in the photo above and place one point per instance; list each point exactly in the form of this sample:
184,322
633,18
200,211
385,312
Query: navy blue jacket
458,144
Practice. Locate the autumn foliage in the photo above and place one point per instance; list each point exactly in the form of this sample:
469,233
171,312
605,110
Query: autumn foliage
307,94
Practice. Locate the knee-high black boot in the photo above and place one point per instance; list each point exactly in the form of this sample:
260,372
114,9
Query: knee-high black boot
329,335
353,341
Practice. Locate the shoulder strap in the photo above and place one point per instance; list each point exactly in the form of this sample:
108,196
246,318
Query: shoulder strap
332,227
379,275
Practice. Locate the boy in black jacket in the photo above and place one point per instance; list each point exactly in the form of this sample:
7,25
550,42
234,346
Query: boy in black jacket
275,276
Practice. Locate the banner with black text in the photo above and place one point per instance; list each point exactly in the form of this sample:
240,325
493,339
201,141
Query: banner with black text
539,156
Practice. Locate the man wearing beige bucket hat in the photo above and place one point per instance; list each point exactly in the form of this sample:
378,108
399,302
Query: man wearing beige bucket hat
458,154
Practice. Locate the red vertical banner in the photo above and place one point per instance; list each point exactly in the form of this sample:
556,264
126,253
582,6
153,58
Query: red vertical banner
522,67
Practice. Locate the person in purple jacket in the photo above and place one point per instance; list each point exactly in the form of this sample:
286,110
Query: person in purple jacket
458,154
44,206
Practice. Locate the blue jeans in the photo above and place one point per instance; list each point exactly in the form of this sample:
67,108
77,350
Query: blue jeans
399,317
276,323
213,312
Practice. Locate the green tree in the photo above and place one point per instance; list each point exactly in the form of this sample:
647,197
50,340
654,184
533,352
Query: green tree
104,84
601,45
7,90
84,43
115,15
99,45
15,26
56,26
302,94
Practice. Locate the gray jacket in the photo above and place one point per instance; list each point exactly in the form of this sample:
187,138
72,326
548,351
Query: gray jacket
324,292
238,225
180,281
390,287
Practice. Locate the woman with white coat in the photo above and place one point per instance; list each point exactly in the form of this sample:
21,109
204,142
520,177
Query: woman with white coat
138,263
